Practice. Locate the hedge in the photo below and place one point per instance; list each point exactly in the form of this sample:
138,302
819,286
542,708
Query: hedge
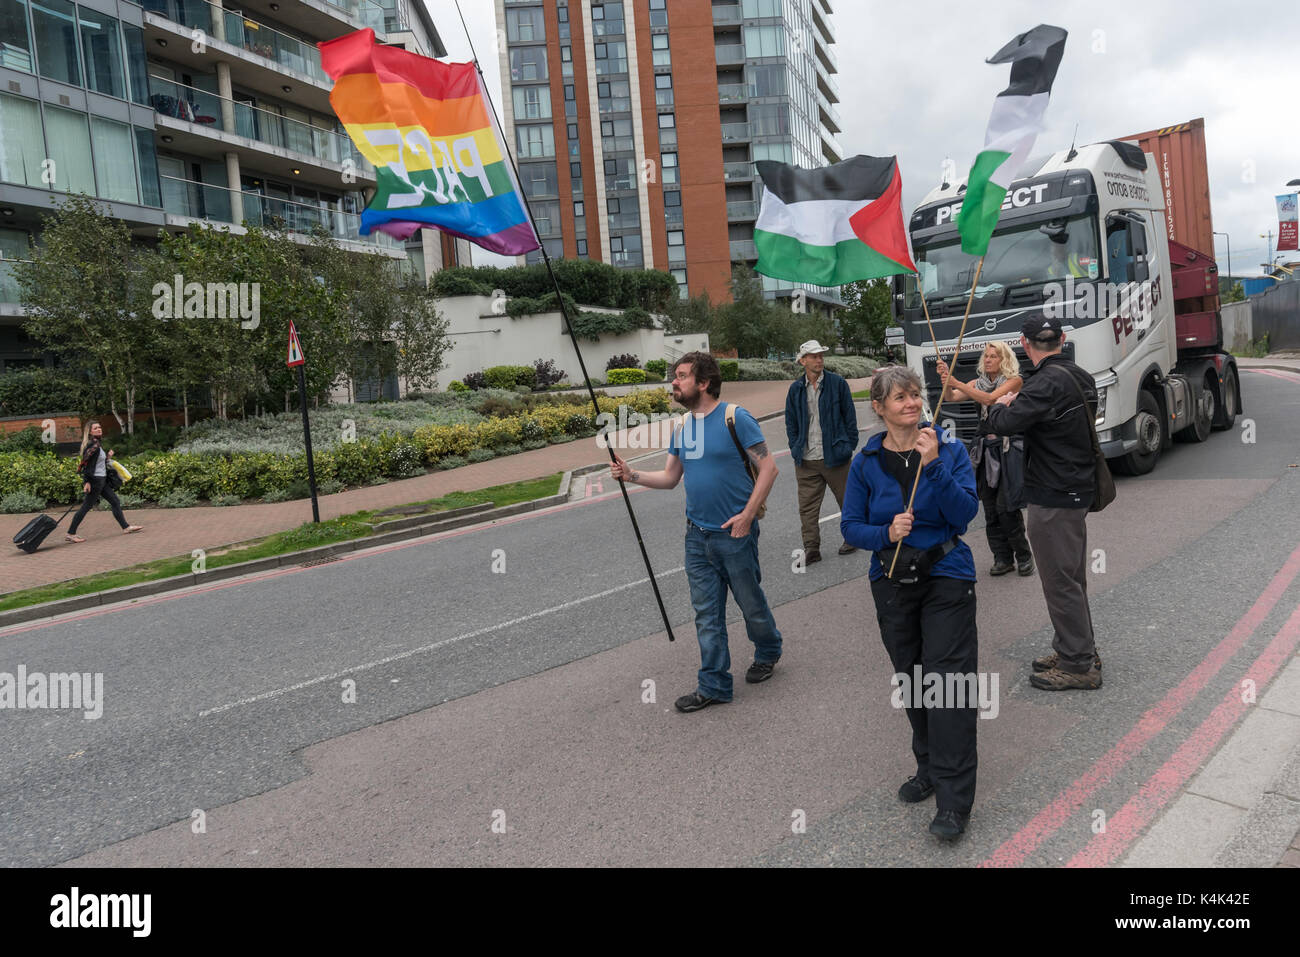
730,369
390,455
586,281
625,376
657,368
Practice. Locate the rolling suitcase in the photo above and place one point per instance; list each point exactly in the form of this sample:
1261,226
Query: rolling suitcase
35,531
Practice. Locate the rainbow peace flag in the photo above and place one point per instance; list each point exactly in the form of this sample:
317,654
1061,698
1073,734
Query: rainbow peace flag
437,151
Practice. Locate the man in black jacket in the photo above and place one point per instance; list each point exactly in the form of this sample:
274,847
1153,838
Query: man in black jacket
1055,411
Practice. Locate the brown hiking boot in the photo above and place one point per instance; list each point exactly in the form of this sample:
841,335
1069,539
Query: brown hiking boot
1048,662
1054,679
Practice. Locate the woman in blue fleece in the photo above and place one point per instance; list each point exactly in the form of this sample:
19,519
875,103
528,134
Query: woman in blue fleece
927,617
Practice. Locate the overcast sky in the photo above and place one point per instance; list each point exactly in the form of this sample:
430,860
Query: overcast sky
915,84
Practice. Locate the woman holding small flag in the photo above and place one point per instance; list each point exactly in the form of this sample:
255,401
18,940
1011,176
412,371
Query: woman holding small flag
926,611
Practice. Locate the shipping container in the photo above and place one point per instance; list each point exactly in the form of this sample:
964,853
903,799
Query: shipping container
1181,165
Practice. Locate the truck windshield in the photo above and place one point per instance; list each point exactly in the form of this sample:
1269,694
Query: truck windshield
1022,257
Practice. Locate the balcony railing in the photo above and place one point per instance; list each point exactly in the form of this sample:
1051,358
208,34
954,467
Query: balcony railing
170,98
732,92
368,13
737,171
743,249
673,216
726,54
742,209
185,197
9,289
728,13
832,114
735,132
240,31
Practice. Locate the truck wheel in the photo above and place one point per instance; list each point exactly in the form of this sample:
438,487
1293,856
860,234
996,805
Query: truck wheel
1225,410
1150,434
1202,416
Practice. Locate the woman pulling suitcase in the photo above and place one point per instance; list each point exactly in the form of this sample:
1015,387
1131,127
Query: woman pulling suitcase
99,480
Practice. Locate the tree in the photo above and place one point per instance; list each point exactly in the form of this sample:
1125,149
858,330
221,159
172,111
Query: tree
85,302
1230,291
866,316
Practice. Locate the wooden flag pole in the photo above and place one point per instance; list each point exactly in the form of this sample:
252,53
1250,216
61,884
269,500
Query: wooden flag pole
970,301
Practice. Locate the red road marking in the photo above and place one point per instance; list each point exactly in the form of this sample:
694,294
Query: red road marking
1284,376
1124,827
1046,822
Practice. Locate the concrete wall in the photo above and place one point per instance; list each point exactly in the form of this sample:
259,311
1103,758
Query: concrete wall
1237,325
481,338
1276,314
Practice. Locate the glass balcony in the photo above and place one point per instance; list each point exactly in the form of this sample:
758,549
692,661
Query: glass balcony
735,132
727,13
742,249
240,31
831,115
727,54
9,290
745,209
170,98
184,197
732,92
732,171
368,13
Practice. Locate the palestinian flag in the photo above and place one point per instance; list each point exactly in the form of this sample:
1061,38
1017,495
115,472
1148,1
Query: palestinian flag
1013,126
832,225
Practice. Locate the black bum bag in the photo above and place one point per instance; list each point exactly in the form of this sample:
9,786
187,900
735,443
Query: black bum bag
914,564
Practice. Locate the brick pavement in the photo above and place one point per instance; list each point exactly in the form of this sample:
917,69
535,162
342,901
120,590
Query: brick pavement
169,532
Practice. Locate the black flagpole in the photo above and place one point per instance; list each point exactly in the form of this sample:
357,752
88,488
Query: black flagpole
559,297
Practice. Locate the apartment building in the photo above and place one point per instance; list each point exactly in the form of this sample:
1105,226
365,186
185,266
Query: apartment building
181,111
636,124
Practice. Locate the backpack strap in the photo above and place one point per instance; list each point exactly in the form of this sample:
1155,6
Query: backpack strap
744,459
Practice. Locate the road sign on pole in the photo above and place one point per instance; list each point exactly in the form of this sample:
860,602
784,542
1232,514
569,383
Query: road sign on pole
297,360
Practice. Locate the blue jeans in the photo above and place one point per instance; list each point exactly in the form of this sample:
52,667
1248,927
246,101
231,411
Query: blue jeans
715,562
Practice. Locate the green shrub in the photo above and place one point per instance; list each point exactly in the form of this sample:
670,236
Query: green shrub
47,477
178,498
456,386
16,502
130,501
531,445
578,424
25,440
480,455
509,450
224,500
767,370
507,377
730,369
851,367
333,486
451,462
626,376
42,392
277,495
657,368
625,361
145,440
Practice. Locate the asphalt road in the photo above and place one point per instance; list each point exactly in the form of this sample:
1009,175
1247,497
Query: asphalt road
390,706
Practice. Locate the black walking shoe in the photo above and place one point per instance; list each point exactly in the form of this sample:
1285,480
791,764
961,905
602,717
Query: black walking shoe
914,790
1048,662
1001,567
812,555
695,701
760,671
847,549
949,825
1026,567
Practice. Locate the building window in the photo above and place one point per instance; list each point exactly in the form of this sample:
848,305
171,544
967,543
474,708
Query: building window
602,88
114,159
680,276
573,131
532,102
547,218
21,141
658,13
606,127
579,209
612,205
602,51
15,47
101,49
669,160
582,247
667,121
676,237
659,47
568,92
67,139
616,244
761,8
672,198
525,26
147,159
566,54
764,41
664,81
56,41
575,170
539,180
535,142
527,63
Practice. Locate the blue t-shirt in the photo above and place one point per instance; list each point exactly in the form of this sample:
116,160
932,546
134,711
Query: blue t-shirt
717,485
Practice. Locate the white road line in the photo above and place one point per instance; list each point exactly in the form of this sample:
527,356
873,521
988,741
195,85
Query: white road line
829,518
436,645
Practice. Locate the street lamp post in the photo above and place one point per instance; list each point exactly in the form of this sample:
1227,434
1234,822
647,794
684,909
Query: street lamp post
1269,247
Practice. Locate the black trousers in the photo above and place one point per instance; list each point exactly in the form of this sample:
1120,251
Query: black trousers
1005,530
98,487
932,624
